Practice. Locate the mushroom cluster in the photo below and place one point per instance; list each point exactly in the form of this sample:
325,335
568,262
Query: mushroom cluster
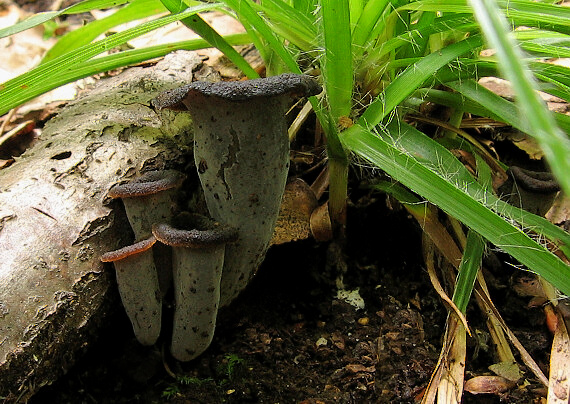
241,152
148,199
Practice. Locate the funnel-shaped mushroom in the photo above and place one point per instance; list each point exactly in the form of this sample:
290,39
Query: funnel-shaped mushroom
533,191
147,200
137,282
198,245
242,154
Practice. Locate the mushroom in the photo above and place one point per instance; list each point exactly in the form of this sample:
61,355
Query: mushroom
137,282
242,155
533,191
198,245
147,200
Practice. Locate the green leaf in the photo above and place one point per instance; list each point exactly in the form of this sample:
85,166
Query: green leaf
291,24
462,200
337,64
135,10
364,28
250,18
412,78
202,28
40,18
468,268
553,142
33,83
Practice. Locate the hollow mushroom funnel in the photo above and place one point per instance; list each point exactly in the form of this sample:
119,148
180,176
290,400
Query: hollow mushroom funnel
242,155
148,199
198,245
137,289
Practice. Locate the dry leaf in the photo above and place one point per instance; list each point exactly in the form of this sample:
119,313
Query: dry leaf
321,227
559,380
488,385
297,205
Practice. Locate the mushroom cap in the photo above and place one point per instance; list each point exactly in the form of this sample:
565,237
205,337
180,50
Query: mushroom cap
194,231
128,251
296,85
149,183
535,181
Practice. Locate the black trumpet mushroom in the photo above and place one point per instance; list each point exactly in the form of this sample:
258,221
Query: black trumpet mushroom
242,155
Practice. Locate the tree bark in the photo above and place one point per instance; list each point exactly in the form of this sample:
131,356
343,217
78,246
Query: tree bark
55,219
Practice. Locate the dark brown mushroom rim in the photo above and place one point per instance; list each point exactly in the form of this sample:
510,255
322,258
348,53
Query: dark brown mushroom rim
534,181
128,251
296,85
149,183
194,231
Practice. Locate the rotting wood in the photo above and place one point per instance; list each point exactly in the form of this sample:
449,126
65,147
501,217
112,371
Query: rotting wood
55,220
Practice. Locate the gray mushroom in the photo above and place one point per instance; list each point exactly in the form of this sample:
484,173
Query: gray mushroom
137,287
533,191
148,199
198,245
242,155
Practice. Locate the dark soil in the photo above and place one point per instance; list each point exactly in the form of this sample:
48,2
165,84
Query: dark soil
288,339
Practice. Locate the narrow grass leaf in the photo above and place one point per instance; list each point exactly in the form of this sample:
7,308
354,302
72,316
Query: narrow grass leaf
131,57
412,78
40,18
202,28
337,63
291,24
31,84
364,27
433,155
468,268
246,12
453,23
135,10
553,142
458,203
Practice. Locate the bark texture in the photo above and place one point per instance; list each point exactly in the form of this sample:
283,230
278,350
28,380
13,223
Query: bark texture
55,220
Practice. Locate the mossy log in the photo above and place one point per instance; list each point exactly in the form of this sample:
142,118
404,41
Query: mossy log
56,221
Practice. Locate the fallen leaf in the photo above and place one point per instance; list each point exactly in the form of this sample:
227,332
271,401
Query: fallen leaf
488,385
293,222
321,227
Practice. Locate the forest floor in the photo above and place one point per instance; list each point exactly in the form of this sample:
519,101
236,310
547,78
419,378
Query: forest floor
290,339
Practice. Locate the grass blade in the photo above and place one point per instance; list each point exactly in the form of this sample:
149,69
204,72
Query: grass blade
412,78
33,83
40,18
468,268
455,199
131,57
135,10
337,63
202,28
553,142
246,12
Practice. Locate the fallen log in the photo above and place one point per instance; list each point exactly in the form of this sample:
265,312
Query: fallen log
55,219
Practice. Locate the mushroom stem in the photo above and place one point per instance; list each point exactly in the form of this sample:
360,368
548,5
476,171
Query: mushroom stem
242,155
198,245
137,280
148,199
